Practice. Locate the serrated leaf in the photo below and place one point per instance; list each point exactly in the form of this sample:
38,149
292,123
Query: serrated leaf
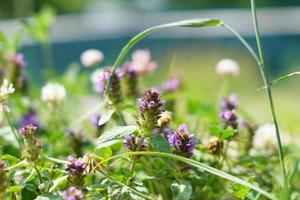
181,190
114,134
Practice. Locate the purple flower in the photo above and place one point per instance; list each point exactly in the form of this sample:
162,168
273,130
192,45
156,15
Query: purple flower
229,118
27,130
131,142
171,85
182,142
229,103
94,119
150,108
30,118
75,166
19,60
72,193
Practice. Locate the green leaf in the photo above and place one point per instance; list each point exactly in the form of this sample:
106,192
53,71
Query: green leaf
15,188
222,134
193,23
10,158
241,191
159,143
114,134
105,116
198,165
48,196
104,152
57,182
181,190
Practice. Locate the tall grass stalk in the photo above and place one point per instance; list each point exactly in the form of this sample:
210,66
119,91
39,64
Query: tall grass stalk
262,67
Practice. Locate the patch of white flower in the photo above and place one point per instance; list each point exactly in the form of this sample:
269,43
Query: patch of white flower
227,67
53,93
5,90
264,140
91,57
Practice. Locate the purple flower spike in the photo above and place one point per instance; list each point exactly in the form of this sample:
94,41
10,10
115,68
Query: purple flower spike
27,130
19,60
229,118
72,193
229,103
182,142
131,142
30,118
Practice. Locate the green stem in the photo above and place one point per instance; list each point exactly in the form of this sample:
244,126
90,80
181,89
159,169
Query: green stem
12,128
133,159
193,163
121,117
38,173
123,185
269,92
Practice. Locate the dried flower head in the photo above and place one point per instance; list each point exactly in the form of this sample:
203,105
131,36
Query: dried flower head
76,168
182,142
72,193
214,145
132,143
53,93
165,119
6,89
227,67
91,57
149,111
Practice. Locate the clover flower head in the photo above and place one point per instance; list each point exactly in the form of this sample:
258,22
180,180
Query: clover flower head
229,103
53,93
19,60
229,118
182,141
227,67
91,57
6,89
72,193
142,62
131,142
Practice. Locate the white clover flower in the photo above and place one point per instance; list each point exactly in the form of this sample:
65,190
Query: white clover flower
227,67
264,140
91,57
53,93
5,90
142,62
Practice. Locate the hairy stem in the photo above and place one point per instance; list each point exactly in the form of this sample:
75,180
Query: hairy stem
268,90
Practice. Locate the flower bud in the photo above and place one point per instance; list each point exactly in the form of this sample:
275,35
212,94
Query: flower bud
76,172
72,193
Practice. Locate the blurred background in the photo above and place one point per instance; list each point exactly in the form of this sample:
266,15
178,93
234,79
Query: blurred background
193,53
